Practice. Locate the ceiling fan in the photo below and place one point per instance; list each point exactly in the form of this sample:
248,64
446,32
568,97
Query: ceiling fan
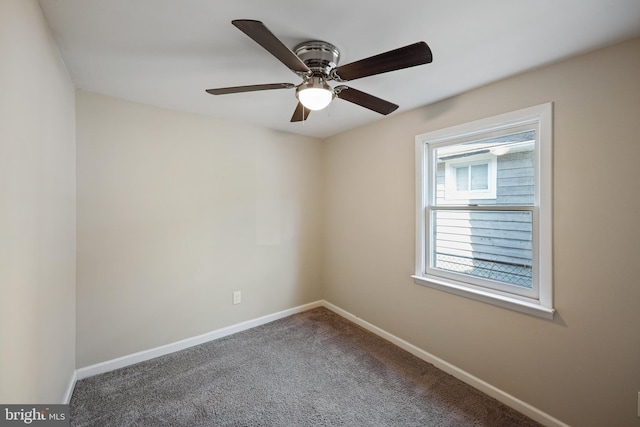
316,62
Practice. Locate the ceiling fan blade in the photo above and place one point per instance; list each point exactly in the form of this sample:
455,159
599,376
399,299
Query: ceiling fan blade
265,38
250,88
300,114
365,100
397,59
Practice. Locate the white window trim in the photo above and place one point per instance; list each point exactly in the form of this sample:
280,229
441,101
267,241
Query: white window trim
543,252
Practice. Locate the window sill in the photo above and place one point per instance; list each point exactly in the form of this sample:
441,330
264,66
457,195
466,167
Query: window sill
487,297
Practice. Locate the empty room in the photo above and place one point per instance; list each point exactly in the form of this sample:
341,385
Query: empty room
250,213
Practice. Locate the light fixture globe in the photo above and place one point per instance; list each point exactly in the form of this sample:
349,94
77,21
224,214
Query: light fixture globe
315,94
499,150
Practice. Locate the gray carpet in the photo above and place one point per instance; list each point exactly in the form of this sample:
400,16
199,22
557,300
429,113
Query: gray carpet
309,369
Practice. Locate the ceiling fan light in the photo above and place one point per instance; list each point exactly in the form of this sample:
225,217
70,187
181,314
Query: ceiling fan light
315,94
315,98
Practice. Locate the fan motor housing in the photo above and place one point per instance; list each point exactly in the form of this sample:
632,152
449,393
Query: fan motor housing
321,57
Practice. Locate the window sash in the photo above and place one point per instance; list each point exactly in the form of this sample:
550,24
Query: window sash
501,287
430,149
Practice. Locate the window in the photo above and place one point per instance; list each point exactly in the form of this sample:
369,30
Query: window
483,202
469,177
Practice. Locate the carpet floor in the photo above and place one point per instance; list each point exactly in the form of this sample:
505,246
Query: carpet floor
310,369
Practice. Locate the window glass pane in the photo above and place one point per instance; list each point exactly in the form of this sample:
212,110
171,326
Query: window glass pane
494,245
499,170
462,178
480,177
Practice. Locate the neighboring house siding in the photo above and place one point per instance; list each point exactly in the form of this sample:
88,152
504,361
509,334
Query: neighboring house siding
495,245
515,179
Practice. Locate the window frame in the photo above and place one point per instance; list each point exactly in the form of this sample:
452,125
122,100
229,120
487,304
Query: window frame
540,303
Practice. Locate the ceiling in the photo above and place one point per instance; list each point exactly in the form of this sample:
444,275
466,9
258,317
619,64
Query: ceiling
167,52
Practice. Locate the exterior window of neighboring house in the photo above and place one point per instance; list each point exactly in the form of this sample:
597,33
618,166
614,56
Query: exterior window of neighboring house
484,210
470,178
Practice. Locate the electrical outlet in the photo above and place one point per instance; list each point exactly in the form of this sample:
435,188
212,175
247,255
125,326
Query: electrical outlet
237,297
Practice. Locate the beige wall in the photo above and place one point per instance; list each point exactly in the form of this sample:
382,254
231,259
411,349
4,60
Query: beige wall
177,211
582,368
37,210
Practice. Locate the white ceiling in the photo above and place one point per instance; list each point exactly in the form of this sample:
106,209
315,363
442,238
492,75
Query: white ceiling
167,52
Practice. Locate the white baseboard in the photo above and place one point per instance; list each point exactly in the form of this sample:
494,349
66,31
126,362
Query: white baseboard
509,400
141,356
70,387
